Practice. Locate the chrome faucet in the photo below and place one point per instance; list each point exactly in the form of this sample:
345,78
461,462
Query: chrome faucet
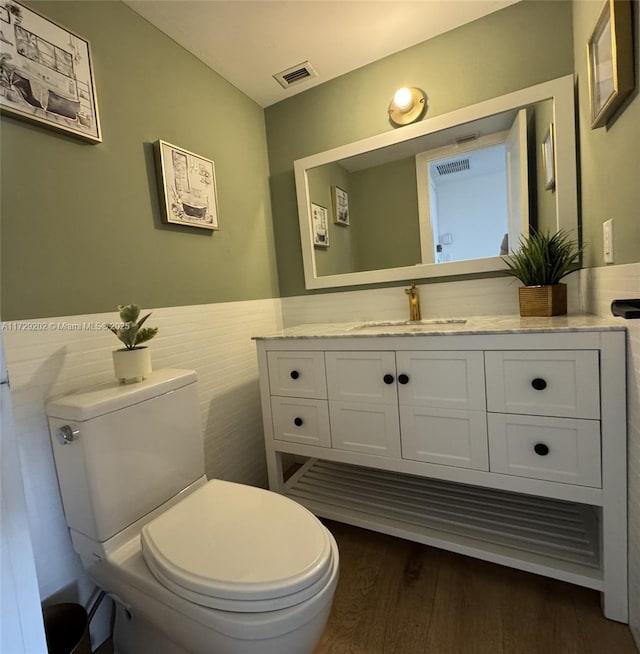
414,302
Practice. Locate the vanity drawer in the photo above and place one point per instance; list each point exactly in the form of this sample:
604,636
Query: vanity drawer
297,374
544,383
553,449
303,421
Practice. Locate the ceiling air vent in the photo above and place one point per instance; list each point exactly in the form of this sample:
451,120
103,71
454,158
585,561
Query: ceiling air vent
295,75
453,166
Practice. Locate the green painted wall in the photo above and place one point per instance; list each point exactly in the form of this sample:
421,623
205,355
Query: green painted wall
81,225
609,156
386,197
383,215
524,44
340,256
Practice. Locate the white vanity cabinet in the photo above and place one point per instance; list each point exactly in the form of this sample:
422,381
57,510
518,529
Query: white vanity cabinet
508,446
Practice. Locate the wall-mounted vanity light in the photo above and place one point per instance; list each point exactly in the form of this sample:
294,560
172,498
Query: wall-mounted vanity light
407,106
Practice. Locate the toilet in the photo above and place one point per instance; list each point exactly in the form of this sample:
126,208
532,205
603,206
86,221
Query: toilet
194,566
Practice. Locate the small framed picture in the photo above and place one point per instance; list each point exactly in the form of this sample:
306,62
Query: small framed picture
320,226
340,200
610,61
188,183
548,160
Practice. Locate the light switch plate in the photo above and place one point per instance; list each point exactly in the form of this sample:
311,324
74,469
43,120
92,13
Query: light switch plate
607,240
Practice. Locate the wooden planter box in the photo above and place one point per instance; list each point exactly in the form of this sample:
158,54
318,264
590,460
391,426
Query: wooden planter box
543,300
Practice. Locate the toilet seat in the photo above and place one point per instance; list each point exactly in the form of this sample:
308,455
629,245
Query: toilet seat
238,548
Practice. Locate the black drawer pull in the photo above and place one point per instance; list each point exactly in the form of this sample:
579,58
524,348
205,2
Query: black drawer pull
541,449
298,422
388,379
539,384
295,374
403,379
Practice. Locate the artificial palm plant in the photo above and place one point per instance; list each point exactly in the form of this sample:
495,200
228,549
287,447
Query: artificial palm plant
541,262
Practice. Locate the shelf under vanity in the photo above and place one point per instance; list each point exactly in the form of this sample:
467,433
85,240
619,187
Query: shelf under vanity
542,535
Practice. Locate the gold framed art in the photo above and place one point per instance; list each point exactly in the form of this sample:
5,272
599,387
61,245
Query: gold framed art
610,61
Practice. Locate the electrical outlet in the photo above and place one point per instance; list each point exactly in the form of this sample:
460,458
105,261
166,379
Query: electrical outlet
607,240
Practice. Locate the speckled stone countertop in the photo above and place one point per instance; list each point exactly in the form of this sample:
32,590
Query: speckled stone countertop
474,325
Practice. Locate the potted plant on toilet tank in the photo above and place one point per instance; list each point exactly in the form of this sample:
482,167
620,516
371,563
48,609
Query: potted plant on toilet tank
132,362
541,262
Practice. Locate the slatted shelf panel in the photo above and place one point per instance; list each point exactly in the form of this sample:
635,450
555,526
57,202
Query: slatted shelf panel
548,536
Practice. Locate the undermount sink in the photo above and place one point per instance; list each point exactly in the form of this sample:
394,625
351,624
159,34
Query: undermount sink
409,323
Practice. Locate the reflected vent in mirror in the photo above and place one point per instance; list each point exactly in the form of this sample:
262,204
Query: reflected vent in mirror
450,167
467,138
295,75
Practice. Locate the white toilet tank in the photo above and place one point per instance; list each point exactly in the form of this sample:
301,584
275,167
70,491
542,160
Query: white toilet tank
136,446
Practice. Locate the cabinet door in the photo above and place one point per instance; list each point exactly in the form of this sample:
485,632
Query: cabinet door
447,380
363,402
442,408
362,377
554,449
446,436
544,383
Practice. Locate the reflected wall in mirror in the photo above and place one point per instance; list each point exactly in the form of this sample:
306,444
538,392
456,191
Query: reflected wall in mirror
446,196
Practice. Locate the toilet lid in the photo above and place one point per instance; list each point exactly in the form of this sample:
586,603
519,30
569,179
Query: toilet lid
238,548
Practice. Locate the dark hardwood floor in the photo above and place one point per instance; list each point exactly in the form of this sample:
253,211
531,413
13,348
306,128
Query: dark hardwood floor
399,597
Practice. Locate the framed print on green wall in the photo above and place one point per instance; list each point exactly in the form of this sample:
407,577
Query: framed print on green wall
45,73
320,225
188,186
340,201
610,61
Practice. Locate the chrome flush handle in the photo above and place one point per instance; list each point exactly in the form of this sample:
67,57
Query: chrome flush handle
66,434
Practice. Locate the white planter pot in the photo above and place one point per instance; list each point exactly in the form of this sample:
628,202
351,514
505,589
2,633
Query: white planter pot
132,365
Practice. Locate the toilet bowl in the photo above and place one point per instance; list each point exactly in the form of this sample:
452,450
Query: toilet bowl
215,566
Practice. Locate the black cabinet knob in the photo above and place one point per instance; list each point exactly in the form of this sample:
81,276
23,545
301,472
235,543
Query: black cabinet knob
295,374
539,384
541,449
403,379
298,422
388,379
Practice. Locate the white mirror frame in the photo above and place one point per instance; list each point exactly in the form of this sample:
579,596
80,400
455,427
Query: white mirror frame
560,90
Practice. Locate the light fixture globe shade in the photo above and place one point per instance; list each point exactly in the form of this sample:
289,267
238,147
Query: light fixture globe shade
407,105
403,99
